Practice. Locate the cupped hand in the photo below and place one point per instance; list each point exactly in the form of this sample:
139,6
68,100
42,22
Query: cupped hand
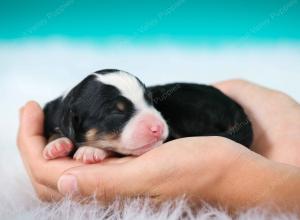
190,166
213,169
275,118
31,142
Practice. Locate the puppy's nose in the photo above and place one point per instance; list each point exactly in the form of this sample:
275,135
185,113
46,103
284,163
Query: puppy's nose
157,130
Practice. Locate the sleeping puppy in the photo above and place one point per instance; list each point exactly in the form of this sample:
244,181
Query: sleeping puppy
111,111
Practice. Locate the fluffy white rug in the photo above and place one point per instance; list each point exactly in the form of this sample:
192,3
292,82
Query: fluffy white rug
18,201
41,71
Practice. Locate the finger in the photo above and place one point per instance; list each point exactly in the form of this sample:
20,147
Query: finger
128,177
134,177
31,143
46,194
49,172
34,114
43,192
227,85
30,139
115,160
239,89
234,88
105,180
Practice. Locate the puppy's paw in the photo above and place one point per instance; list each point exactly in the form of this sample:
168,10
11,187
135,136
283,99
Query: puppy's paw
90,154
60,147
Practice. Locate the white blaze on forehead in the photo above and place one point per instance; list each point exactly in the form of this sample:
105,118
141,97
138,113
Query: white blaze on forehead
128,85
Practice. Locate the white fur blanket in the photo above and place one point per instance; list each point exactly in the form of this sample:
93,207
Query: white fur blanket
18,201
42,71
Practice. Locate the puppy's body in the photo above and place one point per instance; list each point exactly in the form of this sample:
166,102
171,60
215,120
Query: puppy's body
112,111
201,110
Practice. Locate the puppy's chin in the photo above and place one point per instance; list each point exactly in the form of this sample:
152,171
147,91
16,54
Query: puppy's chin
141,150
137,151
115,145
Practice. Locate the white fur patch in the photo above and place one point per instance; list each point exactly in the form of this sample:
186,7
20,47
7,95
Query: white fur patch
128,86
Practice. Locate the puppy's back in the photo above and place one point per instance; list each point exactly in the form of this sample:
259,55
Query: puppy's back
201,110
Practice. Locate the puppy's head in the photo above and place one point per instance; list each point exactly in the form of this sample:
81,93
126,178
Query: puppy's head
113,110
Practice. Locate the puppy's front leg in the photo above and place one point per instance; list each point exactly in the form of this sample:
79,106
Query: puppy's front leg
90,155
57,148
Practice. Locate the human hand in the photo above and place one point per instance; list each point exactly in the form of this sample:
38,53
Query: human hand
275,119
31,142
163,173
212,169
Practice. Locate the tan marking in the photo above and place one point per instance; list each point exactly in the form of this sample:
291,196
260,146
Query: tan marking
93,138
91,135
103,144
111,136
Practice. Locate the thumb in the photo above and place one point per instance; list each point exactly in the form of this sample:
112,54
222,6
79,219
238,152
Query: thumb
32,119
140,176
106,181
30,136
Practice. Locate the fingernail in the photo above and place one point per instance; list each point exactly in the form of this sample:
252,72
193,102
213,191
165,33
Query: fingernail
67,184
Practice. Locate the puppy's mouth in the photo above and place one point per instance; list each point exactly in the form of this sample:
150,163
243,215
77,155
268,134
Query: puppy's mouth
143,149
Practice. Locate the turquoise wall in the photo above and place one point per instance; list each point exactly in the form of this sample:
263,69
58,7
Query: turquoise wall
140,20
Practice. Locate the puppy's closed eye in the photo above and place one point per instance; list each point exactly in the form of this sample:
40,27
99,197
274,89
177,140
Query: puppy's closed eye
121,106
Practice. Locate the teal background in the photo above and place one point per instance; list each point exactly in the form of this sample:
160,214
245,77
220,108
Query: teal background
150,21
47,46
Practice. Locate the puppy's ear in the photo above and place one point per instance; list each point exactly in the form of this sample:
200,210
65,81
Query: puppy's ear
70,123
70,120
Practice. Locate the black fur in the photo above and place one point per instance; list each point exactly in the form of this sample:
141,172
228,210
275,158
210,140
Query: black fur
201,110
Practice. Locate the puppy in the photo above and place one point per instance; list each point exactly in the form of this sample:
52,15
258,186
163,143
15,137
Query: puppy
112,111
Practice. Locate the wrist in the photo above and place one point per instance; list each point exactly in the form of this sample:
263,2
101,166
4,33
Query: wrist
252,180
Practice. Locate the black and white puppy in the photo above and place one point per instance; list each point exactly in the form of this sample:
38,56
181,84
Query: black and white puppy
112,111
